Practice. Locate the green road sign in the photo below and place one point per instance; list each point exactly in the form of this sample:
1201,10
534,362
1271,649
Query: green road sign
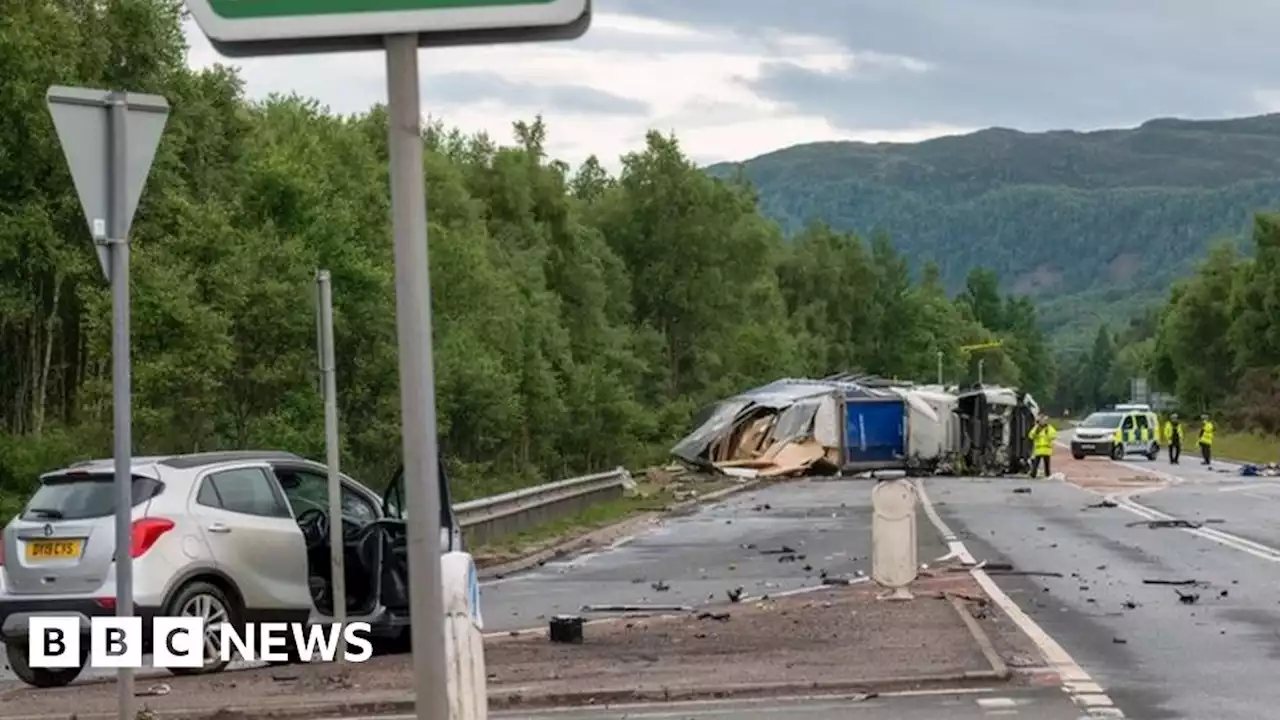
271,27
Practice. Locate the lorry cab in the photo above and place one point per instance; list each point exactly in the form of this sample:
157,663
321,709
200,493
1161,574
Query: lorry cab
1125,429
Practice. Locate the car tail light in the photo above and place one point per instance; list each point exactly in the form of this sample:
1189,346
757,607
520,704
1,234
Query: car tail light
106,603
145,534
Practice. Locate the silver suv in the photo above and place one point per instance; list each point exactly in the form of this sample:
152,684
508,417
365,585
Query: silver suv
231,536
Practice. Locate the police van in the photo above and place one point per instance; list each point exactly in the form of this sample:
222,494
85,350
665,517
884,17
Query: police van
1126,429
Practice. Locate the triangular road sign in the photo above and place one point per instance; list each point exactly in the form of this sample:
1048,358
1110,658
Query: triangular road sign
82,118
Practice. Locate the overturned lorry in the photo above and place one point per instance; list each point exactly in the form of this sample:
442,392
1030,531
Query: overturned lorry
850,425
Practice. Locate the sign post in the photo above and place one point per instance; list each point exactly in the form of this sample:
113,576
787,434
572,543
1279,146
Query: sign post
329,375
283,27
110,140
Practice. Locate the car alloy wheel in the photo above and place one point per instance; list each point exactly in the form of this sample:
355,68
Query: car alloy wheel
214,613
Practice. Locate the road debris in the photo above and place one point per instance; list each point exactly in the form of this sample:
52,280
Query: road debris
660,586
1119,641
1158,581
1176,523
1106,503
1022,491
718,616
783,550
1187,598
735,595
566,629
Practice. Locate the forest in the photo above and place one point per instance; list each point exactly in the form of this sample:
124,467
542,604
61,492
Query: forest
582,316
1094,226
1214,342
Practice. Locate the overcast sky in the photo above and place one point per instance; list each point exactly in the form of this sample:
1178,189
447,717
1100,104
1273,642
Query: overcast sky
737,78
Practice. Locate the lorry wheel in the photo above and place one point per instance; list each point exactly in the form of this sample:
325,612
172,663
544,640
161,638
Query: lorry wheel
42,677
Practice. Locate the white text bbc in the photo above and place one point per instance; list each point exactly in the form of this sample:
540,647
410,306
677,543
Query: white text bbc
178,642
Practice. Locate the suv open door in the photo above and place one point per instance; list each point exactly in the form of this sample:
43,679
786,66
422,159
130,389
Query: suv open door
393,506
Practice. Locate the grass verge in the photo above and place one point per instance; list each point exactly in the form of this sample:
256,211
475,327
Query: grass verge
1247,447
647,497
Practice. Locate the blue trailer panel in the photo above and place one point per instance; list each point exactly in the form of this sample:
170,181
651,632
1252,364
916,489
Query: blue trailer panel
875,433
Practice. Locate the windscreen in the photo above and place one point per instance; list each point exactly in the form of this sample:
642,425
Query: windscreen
76,496
1102,421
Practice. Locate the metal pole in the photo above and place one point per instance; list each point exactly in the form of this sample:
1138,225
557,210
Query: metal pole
417,376
328,369
120,377
939,367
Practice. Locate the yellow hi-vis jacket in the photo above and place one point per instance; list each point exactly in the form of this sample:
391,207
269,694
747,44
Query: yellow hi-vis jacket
1043,437
1169,428
1206,433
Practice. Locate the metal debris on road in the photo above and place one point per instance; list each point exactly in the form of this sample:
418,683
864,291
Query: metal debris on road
1176,523
784,550
735,595
1022,490
719,616
1187,598
660,586
566,629
1158,581
1107,503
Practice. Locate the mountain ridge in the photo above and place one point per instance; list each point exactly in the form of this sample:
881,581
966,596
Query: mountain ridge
1102,216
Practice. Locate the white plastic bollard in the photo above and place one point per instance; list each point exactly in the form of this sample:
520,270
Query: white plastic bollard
894,547
463,623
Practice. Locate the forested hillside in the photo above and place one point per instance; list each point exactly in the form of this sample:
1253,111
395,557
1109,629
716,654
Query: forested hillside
581,317
1088,224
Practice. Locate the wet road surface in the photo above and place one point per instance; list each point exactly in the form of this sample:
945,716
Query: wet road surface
1156,656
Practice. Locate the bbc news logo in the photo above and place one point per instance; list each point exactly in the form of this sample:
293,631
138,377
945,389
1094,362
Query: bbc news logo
179,642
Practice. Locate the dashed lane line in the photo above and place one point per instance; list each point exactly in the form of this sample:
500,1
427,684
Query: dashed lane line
1076,682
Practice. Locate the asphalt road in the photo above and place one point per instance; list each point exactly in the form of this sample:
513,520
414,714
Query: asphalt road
1040,704
701,556
1156,656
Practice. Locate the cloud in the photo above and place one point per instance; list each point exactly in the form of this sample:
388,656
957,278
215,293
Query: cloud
471,86
737,79
600,94
1031,65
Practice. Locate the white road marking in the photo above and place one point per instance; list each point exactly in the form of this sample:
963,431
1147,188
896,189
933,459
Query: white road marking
1235,542
1069,671
996,702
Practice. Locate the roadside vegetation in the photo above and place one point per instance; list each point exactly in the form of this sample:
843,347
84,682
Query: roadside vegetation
582,316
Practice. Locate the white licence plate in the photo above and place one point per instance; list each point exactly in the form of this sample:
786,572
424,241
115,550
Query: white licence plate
1088,446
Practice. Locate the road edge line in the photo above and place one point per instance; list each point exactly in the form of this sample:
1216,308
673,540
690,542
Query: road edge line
1076,681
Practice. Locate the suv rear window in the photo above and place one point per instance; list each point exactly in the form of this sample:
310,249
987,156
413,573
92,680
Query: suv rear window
76,496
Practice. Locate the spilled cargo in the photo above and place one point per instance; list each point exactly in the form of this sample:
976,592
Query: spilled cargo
857,424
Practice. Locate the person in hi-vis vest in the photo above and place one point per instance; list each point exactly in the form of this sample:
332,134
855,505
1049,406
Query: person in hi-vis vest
1206,439
1174,432
1042,435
